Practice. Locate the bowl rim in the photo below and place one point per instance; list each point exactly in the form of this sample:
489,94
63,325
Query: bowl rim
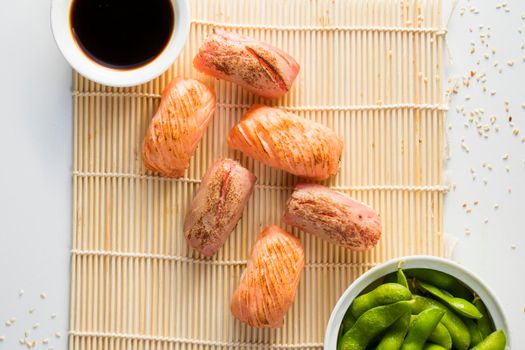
448,266
114,77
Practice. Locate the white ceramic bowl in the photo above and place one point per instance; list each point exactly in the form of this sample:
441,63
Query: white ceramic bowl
115,77
410,262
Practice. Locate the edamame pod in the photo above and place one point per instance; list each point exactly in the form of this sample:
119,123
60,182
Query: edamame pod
387,293
475,334
395,335
430,346
455,326
461,306
441,336
441,280
485,323
421,328
401,278
348,321
495,341
372,323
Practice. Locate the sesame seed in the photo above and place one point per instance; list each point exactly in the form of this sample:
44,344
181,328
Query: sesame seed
22,341
486,221
45,341
43,295
58,335
36,325
493,92
2,337
20,292
513,247
469,211
31,310
496,206
476,202
53,316
507,169
26,333
516,131
509,190
505,157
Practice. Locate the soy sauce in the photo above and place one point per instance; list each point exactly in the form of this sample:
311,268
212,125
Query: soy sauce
122,34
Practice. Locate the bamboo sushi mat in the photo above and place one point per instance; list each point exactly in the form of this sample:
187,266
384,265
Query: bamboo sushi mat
371,70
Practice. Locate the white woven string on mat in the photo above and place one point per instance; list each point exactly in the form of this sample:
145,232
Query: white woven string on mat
434,107
194,341
423,188
108,253
336,28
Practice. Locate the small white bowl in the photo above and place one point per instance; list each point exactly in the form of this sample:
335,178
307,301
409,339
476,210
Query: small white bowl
114,77
411,262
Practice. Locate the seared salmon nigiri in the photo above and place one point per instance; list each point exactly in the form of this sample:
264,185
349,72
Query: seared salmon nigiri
185,110
286,141
258,67
218,205
333,216
269,283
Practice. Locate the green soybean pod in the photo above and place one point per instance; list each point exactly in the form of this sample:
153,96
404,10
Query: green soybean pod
455,326
421,328
461,306
390,278
441,280
395,334
430,346
441,336
371,324
475,334
401,278
495,341
485,323
348,321
387,293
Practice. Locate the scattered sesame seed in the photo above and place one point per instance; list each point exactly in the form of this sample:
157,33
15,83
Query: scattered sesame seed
505,156
496,206
20,292
43,295
469,211
493,92
2,337
449,126
26,333
507,169
53,316
31,310
36,325
45,341
476,202
58,335
513,247
8,323
22,341
516,131
523,139
486,221
509,190
485,182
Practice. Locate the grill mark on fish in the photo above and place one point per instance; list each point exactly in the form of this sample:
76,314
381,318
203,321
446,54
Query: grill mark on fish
270,69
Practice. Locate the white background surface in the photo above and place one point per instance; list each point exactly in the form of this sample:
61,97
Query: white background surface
35,154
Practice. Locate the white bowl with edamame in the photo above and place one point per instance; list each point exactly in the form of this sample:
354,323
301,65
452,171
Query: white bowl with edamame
377,273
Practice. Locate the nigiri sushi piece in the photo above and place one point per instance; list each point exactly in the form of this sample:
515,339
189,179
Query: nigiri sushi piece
333,216
286,141
185,109
218,205
268,285
256,66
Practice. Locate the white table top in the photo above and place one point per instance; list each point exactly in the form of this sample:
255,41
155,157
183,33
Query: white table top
35,182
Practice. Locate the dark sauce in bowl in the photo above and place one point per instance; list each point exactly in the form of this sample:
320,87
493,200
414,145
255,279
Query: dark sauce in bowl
122,34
